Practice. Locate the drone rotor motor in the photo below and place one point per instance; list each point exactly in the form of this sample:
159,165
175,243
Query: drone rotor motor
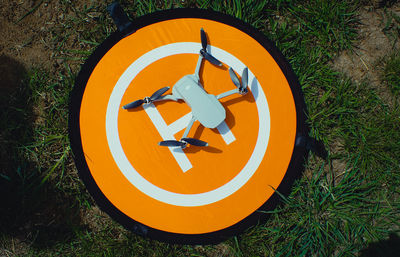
241,85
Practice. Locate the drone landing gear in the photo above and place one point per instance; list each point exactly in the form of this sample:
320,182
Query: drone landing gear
184,140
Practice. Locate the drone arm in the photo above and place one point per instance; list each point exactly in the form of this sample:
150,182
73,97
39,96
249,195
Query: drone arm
198,66
189,127
228,93
167,97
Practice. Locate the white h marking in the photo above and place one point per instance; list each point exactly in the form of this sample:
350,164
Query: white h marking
167,132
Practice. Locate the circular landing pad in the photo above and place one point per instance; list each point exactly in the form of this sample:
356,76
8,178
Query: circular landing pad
197,194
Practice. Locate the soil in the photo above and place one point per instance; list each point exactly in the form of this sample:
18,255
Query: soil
30,30
362,63
27,39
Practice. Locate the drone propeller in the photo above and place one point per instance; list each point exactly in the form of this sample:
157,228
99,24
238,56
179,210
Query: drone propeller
241,86
204,52
155,96
245,75
183,142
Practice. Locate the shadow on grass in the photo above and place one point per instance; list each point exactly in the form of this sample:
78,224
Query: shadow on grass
384,248
37,213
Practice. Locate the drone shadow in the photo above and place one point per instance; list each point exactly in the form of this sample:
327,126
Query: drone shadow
134,110
195,149
230,120
254,88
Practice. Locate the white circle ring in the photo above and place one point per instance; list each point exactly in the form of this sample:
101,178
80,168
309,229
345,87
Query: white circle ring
188,200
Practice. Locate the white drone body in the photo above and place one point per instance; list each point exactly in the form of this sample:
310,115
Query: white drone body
206,108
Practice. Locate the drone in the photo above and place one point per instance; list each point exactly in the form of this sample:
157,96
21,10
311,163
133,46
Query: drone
206,108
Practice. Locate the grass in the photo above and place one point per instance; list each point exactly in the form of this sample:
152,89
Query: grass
390,72
392,26
339,207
